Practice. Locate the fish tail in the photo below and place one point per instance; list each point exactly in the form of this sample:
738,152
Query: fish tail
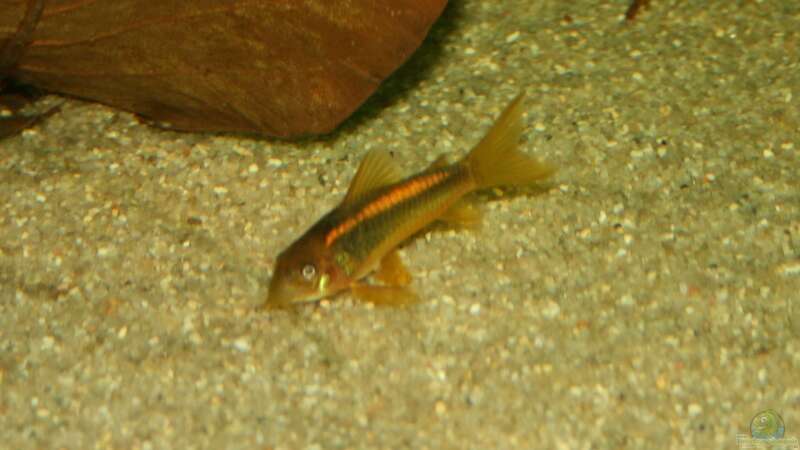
496,161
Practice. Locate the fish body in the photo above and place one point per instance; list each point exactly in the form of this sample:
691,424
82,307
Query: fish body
382,209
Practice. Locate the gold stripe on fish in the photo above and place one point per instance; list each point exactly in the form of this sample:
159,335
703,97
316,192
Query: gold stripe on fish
385,202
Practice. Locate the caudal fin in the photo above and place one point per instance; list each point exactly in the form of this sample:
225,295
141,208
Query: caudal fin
496,161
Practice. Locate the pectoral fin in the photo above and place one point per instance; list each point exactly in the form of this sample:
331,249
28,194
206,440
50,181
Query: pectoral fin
392,271
384,295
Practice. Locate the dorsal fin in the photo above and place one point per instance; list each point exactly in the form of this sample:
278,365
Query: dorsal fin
376,169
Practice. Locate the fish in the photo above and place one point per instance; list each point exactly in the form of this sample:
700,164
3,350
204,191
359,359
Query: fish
383,208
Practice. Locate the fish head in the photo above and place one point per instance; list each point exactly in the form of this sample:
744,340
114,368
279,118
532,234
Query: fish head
305,272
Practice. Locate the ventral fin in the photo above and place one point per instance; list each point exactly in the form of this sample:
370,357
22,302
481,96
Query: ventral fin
377,169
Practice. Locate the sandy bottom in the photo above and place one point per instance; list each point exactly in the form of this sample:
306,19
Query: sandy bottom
647,297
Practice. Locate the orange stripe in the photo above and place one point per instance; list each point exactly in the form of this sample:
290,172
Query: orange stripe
386,201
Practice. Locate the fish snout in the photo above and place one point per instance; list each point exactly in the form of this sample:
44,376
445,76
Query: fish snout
279,295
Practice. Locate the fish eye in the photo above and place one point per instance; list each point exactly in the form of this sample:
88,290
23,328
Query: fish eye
309,271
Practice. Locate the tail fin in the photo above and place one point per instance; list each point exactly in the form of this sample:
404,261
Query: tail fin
495,161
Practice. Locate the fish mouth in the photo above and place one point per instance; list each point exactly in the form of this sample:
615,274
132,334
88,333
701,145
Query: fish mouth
278,296
283,295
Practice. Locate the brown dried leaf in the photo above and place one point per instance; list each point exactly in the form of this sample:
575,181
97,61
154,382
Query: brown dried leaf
283,68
